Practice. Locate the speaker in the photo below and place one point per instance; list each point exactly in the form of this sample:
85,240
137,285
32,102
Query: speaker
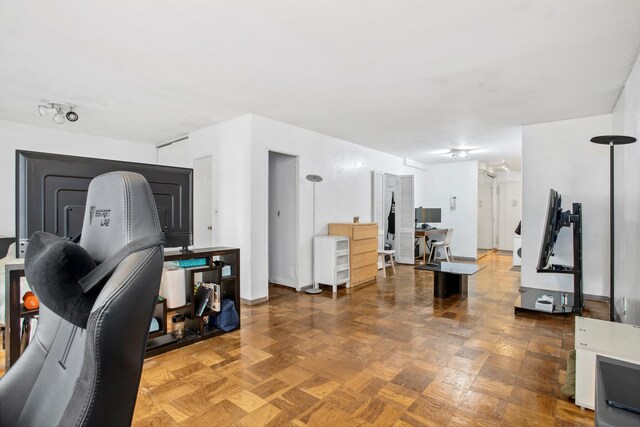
517,251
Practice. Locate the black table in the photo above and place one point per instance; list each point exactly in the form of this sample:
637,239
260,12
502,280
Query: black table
450,278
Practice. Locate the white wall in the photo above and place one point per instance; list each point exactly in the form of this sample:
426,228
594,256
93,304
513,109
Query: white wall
437,185
345,192
559,155
240,148
626,121
18,136
229,145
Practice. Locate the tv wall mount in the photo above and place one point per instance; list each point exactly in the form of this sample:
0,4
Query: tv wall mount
531,299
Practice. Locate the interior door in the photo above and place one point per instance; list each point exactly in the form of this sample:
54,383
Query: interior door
485,214
378,206
405,219
202,202
283,205
509,213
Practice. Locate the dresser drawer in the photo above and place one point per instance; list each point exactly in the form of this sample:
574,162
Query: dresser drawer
364,274
365,259
362,246
367,231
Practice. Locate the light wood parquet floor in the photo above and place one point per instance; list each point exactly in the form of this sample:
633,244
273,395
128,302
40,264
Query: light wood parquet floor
380,354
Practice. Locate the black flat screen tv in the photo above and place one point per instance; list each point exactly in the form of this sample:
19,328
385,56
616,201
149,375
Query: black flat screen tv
552,226
51,191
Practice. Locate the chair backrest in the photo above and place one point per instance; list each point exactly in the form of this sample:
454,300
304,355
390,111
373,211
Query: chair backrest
71,376
448,237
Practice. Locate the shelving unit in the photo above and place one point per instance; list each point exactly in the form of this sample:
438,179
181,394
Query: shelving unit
331,261
158,342
195,327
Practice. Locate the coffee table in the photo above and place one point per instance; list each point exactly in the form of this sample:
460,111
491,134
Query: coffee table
450,278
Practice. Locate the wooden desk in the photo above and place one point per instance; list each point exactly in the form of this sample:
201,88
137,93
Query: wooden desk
424,234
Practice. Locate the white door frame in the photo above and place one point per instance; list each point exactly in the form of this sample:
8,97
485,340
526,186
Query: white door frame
193,161
297,214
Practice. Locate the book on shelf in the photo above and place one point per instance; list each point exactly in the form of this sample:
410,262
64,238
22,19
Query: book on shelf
214,302
207,296
202,298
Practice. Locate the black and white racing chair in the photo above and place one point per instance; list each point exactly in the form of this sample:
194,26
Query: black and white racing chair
87,373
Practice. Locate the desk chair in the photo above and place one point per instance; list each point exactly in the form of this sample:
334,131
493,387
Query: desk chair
73,376
381,258
445,244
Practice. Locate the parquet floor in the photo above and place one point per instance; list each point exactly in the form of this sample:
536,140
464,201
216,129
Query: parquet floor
380,354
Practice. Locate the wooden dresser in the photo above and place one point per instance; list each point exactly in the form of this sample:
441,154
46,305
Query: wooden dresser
363,249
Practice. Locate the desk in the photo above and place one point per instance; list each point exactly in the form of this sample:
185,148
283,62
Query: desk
424,234
450,277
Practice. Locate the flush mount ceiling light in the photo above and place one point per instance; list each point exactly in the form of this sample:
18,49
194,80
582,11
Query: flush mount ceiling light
458,154
61,112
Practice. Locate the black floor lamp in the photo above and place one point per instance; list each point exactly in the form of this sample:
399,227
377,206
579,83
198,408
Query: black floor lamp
612,141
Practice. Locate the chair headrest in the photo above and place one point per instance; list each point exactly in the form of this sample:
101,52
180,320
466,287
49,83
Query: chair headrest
120,208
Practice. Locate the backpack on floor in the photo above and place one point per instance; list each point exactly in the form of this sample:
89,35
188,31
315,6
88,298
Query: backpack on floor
228,318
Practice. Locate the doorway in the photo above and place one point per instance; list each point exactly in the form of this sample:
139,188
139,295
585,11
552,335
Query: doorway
393,211
486,209
283,219
499,209
202,202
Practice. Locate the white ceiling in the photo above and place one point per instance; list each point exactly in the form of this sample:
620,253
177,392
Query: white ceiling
411,78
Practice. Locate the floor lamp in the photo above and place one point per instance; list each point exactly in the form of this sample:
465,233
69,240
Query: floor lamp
316,288
612,141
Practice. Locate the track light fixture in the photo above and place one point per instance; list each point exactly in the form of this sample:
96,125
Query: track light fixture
61,112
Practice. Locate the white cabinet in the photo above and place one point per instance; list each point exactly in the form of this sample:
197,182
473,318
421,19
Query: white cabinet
593,337
331,261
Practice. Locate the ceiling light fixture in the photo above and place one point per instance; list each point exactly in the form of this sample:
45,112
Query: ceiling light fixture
61,112
458,154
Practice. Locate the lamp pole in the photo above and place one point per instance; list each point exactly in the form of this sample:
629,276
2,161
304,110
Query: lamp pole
316,288
612,141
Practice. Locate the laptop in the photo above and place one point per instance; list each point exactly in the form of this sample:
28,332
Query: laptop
621,386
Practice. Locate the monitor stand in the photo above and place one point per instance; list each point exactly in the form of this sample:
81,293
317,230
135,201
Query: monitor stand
526,301
185,249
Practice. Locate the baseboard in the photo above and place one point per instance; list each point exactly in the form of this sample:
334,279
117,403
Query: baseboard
463,258
254,301
284,281
596,297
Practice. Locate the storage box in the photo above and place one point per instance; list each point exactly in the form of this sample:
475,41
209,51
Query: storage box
173,287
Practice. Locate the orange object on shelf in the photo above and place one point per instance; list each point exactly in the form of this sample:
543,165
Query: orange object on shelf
30,301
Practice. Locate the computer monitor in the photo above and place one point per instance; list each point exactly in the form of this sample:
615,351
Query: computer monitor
428,215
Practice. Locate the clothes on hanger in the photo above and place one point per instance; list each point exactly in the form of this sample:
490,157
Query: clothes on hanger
391,226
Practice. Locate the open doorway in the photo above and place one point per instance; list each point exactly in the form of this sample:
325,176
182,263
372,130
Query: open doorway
486,213
393,211
499,210
283,219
